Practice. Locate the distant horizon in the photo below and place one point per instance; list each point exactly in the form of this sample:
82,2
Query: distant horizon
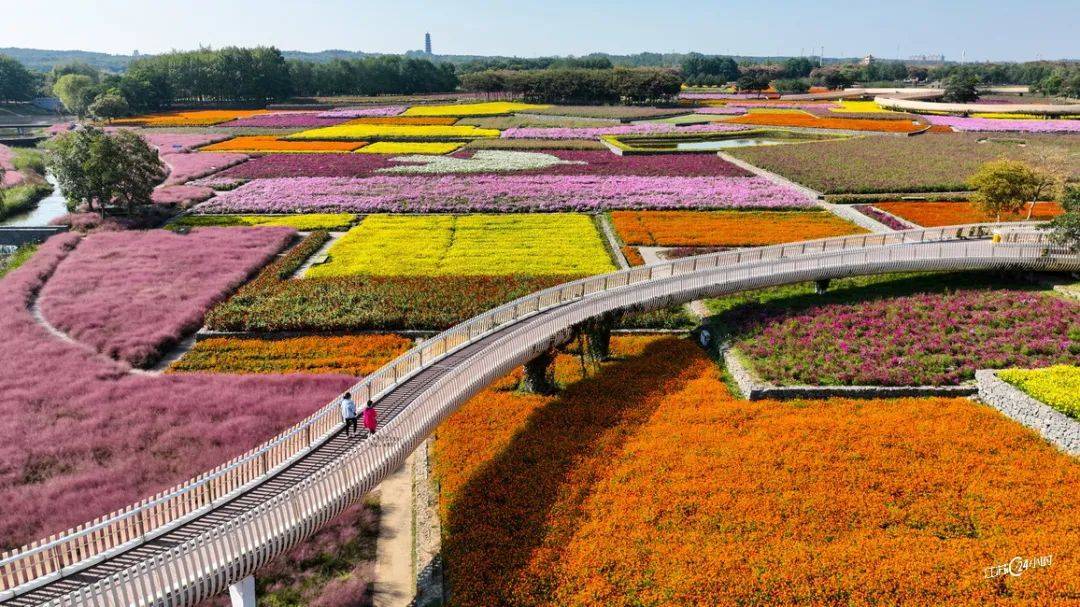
962,30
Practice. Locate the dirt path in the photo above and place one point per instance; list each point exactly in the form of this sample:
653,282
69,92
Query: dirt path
395,583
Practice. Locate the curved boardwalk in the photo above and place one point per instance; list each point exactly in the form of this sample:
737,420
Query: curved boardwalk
190,543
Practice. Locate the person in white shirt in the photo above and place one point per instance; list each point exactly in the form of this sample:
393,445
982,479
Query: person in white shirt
348,415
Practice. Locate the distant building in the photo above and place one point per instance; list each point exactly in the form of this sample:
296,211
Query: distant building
927,58
427,43
867,60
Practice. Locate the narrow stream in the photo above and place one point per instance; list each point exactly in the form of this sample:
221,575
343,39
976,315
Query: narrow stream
52,206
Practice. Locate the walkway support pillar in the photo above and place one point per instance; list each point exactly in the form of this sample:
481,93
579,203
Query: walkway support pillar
598,332
540,374
242,593
820,286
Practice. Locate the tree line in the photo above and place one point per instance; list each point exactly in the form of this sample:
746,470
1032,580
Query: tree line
579,85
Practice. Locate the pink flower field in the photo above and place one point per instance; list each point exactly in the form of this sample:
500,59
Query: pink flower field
171,143
184,167
134,295
81,436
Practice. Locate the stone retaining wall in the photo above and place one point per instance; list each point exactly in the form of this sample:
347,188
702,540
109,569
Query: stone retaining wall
754,388
1053,425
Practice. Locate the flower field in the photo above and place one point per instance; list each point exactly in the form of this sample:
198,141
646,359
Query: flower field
359,112
1057,386
306,223
266,144
886,219
184,167
409,147
134,295
927,163
934,214
805,120
375,132
355,355
726,228
640,502
292,120
274,302
189,118
405,120
1005,124
98,438
498,193
555,244
490,108
172,143
921,339
648,128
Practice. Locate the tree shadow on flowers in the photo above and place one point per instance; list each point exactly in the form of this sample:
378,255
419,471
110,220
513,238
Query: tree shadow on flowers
507,526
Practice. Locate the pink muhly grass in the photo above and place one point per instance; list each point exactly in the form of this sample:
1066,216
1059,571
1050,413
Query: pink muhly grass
180,195
80,437
184,167
171,143
133,295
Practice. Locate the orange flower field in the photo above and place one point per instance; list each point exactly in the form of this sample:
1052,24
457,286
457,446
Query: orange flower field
633,256
189,118
268,144
350,355
413,120
934,214
646,483
726,228
802,119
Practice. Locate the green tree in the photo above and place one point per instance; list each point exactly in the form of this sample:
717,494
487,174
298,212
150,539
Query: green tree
1006,186
791,85
105,170
961,88
76,92
108,105
1066,227
753,81
16,82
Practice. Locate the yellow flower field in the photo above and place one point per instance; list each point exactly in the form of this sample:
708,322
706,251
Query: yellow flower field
410,147
860,107
490,108
1057,386
375,132
469,245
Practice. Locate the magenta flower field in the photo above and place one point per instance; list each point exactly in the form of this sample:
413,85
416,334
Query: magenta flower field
626,129
134,295
482,193
925,339
1005,125
588,162
81,437
284,121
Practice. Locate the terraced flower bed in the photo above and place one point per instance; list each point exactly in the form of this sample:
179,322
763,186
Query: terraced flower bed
501,193
806,120
187,118
269,144
276,302
1057,386
377,132
927,163
964,124
134,295
625,506
930,337
726,228
82,437
934,214
556,244
355,355
292,120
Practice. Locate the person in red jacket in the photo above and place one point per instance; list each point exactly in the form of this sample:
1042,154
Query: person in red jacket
370,418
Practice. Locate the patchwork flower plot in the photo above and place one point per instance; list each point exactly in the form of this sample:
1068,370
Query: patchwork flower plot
805,120
285,121
482,161
934,214
1057,386
409,147
264,144
487,193
350,355
308,222
1005,125
490,108
469,245
376,132
648,128
726,228
187,118
357,112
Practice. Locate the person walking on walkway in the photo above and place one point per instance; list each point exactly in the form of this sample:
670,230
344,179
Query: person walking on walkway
370,418
348,415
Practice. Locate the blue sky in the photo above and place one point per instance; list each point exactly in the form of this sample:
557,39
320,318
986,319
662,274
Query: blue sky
986,29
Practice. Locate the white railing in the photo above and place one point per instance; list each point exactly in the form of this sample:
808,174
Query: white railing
56,556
